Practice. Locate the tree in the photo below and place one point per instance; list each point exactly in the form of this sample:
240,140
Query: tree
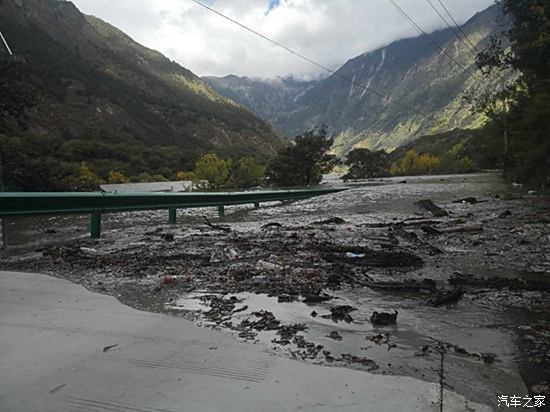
246,173
522,107
364,163
304,162
87,180
414,164
214,170
117,177
186,176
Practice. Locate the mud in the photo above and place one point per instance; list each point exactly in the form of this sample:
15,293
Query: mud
305,278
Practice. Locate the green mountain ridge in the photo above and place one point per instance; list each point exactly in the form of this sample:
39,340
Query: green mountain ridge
84,86
410,71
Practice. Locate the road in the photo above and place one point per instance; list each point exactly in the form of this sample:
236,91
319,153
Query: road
63,348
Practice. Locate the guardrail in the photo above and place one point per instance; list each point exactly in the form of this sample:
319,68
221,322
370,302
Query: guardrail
96,203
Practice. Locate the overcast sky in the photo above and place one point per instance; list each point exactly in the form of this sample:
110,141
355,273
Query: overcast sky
328,31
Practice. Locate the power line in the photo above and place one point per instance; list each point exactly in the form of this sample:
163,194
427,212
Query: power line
457,25
311,61
453,29
423,33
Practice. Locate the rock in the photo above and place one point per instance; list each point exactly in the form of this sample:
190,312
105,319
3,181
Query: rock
488,357
328,357
286,298
338,313
431,207
271,225
287,332
223,254
335,335
505,214
266,321
262,264
384,318
447,297
368,363
167,237
321,297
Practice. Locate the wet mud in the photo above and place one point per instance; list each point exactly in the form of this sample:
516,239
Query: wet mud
391,278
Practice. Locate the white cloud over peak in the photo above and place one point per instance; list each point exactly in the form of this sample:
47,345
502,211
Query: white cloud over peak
327,31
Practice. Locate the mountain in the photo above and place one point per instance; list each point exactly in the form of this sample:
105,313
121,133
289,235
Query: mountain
87,86
412,72
265,97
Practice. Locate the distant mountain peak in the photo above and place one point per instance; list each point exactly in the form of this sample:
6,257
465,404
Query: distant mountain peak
410,71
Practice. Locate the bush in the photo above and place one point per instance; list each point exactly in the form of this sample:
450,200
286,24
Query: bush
215,171
304,162
247,173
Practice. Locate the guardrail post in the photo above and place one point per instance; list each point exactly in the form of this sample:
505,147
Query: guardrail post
95,225
221,211
256,205
172,216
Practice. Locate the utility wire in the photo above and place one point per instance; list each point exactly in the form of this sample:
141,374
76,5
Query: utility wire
457,25
311,61
426,35
453,29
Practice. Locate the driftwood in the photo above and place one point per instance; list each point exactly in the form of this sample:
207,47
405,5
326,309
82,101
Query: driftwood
413,238
474,228
330,221
459,279
431,207
217,227
411,285
272,225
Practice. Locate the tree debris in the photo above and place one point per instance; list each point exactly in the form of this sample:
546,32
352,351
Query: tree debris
217,227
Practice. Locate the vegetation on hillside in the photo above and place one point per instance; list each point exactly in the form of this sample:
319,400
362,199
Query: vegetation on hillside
521,110
82,92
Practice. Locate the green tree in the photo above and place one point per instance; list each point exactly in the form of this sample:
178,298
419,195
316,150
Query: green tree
186,176
87,180
216,171
117,177
247,173
522,108
364,163
304,162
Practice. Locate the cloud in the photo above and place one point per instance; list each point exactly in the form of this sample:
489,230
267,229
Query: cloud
328,31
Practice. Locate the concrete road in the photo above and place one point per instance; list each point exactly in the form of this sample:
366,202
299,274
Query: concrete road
63,348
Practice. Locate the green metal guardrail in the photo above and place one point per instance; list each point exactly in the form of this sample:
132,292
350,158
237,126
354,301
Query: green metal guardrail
96,203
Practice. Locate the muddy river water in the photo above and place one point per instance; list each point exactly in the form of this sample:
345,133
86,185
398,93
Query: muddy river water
304,278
